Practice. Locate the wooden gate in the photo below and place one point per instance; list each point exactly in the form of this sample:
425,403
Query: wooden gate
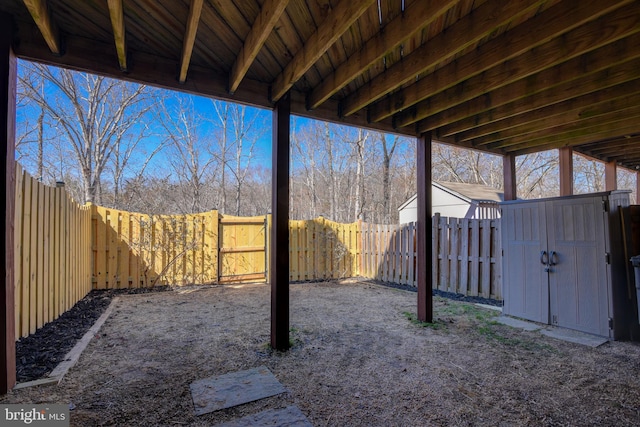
242,249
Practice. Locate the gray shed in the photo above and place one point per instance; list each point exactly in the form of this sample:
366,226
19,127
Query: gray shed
565,263
457,200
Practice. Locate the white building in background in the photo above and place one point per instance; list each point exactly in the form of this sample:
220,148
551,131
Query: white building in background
457,200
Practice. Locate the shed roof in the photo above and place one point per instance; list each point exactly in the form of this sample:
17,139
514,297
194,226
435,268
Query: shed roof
467,192
503,77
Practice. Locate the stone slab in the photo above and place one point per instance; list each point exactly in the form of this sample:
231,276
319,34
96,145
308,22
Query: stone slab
290,416
232,389
517,323
576,337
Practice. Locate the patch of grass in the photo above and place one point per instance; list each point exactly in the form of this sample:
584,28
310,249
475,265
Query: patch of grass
491,330
464,309
294,341
414,319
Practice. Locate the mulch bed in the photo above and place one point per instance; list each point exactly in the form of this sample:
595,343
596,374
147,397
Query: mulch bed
448,295
39,353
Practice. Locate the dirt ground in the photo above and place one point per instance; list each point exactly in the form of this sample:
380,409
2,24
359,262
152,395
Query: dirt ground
358,359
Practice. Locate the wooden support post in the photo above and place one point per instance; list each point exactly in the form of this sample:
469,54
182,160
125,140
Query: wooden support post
611,176
424,229
637,188
279,254
509,173
8,79
566,171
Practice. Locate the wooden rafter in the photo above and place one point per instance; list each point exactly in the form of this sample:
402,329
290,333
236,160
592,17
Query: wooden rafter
593,105
611,146
262,27
468,120
195,9
572,135
116,13
482,70
397,31
40,14
337,22
469,30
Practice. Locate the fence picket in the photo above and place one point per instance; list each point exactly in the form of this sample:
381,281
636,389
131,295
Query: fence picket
486,257
453,239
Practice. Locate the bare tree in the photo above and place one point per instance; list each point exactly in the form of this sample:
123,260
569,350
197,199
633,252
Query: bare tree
91,112
359,146
190,158
387,152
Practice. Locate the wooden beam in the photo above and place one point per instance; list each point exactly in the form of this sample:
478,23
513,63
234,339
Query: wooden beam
335,24
611,176
424,249
116,13
575,138
195,9
565,155
509,176
637,202
8,84
482,71
464,33
575,110
610,147
279,242
592,71
417,16
49,30
262,27
609,122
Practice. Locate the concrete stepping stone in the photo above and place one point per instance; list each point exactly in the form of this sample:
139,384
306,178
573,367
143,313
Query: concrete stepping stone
232,389
290,416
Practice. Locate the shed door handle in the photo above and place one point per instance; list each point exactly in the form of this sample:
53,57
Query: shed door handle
544,258
553,258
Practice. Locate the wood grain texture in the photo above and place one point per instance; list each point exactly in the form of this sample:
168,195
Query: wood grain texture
8,87
40,13
483,70
461,35
116,13
337,22
596,106
417,16
195,9
576,78
260,31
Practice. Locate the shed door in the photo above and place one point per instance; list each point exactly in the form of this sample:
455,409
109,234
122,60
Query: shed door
526,285
578,280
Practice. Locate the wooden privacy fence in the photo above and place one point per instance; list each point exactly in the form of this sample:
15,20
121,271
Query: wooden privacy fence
466,255
136,250
51,254
63,250
322,249
132,250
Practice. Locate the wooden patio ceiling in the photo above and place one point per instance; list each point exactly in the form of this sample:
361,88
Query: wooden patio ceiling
513,76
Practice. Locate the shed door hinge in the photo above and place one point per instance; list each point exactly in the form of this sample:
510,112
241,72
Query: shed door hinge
610,323
607,257
605,205
554,319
